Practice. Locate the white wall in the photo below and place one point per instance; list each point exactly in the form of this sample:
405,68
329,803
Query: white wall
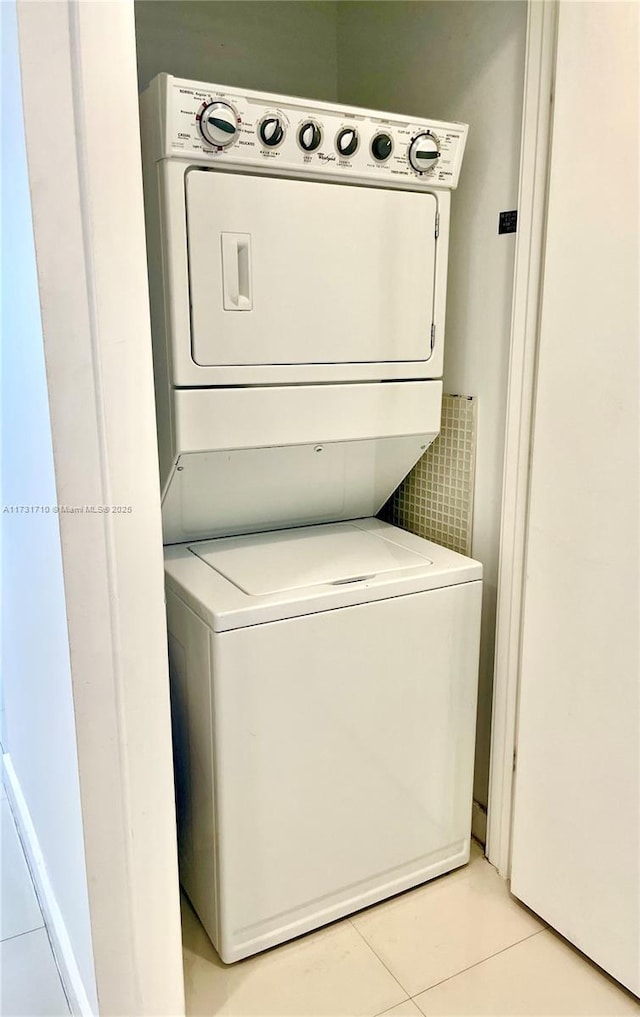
40,737
271,45
576,847
460,61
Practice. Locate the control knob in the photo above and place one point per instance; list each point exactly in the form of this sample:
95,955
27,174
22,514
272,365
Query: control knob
381,147
424,152
219,124
309,136
347,141
271,131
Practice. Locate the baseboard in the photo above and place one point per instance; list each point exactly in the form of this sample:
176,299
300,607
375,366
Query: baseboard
479,822
53,919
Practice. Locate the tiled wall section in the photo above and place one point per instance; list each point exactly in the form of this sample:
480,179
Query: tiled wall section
436,499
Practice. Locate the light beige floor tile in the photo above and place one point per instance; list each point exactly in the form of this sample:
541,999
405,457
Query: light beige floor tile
19,911
406,1009
437,930
541,977
331,972
30,984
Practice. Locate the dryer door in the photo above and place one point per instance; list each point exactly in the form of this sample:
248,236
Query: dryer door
297,272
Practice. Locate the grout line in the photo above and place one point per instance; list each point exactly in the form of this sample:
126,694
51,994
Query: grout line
477,964
30,932
385,965
27,932
390,1008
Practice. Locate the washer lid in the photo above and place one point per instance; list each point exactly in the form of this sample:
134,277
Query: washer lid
268,563
236,582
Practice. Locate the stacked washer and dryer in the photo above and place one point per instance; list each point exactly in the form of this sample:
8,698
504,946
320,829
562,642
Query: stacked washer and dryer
323,663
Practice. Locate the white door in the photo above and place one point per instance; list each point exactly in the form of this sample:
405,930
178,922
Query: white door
300,272
576,839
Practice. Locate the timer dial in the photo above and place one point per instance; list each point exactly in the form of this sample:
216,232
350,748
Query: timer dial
219,124
271,131
424,152
381,147
309,136
347,141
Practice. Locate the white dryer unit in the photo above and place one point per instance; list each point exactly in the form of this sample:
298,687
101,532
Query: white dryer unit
324,696
291,244
266,272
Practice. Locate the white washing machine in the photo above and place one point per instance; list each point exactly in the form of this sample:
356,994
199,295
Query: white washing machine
324,696
323,663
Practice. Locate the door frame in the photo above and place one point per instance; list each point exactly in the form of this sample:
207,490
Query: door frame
86,194
542,17
97,346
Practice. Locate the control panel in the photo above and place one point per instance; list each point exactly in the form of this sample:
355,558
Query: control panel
273,134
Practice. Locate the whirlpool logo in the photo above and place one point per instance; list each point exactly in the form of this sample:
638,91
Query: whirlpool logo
326,158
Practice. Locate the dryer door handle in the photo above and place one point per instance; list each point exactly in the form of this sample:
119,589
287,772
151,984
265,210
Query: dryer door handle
236,271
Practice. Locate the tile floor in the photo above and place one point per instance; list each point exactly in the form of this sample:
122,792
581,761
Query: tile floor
30,985
460,945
